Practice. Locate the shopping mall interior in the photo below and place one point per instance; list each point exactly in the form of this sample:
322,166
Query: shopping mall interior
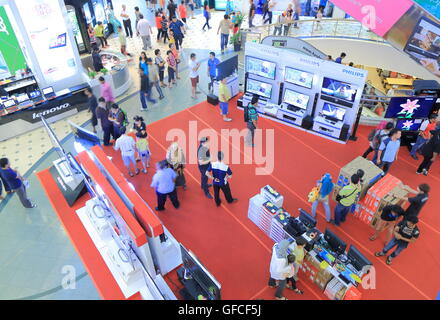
330,82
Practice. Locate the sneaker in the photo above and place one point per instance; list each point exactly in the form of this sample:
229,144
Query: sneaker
209,185
389,260
130,174
144,171
208,195
418,172
160,98
414,157
234,200
33,206
137,171
227,119
425,172
379,254
142,109
157,209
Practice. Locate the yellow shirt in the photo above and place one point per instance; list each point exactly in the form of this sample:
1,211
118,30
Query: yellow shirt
299,255
142,145
223,93
99,30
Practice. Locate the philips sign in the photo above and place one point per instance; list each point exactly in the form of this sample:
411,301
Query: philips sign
354,73
51,110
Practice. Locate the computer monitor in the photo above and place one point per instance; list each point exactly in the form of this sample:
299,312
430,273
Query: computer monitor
258,87
357,259
48,90
194,269
335,243
296,99
307,219
333,112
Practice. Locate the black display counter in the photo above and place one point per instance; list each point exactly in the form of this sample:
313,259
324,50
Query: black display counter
22,121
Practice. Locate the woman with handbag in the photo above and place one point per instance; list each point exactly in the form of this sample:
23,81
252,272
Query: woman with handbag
176,160
325,187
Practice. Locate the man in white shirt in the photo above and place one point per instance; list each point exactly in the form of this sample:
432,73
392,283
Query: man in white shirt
127,146
127,22
144,31
194,74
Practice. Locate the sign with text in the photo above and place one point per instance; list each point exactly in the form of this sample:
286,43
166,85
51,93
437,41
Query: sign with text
377,15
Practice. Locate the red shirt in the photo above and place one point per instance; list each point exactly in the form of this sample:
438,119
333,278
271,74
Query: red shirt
158,22
182,11
431,126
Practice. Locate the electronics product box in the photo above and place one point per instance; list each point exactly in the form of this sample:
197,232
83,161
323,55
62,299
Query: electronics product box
372,174
323,278
272,195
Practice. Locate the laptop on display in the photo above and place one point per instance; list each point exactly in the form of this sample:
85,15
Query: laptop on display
49,93
36,96
23,100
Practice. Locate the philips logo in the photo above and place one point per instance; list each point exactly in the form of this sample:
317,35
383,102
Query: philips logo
313,63
354,73
51,110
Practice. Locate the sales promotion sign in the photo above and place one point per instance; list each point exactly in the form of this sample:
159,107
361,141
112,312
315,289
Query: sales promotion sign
47,32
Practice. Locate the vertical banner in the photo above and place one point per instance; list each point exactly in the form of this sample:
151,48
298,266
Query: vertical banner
47,33
11,56
377,15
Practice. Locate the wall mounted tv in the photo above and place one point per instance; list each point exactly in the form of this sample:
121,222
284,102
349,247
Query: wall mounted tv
260,67
261,88
409,124
339,92
296,99
410,107
298,77
333,112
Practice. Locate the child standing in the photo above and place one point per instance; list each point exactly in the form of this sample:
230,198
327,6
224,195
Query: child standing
172,66
143,149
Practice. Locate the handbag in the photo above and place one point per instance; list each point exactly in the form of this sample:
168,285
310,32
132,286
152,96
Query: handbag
339,197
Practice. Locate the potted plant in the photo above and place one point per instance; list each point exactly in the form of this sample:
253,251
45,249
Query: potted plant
92,74
104,71
236,41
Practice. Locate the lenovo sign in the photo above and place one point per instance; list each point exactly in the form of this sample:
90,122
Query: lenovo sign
50,111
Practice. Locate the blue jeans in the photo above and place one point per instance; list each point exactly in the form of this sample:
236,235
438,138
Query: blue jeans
420,141
341,212
142,95
224,41
394,242
326,208
158,88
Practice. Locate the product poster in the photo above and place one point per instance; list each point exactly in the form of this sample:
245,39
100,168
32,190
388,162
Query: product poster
47,32
11,56
432,6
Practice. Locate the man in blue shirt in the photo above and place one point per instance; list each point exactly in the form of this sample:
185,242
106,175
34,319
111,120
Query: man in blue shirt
212,69
178,29
388,150
14,182
339,59
164,182
220,173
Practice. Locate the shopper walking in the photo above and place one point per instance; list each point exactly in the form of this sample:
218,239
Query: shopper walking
224,95
191,8
96,59
340,58
220,173
127,145
106,90
297,12
154,78
389,150
126,21
93,104
224,27
206,15
346,198
160,63
144,90
389,215
171,9
178,31
430,151
194,66
212,70
176,159
118,118
251,118
123,42
172,66
325,185
416,203
279,26
270,5
405,232
102,115
14,182
158,19
143,65
99,33
281,269
144,31
137,13
376,136
204,159
424,135
164,24
164,184
182,11
251,15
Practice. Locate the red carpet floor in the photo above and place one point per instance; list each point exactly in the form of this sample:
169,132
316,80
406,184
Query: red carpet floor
237,253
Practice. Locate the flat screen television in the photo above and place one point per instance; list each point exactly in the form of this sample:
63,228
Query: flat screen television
261,67
424,44
333,112
296,99
196,270
409,124
227,67
410,107
298,77
87,138
260,88
339,92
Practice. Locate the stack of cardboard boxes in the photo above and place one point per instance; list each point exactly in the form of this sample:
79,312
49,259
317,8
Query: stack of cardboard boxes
388,191
372,174
261,212
335,290
311,268
277,232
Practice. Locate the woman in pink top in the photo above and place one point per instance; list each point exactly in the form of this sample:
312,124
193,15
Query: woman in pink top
172,66
106,90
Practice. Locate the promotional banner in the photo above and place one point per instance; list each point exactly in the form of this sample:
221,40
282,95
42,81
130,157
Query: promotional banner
377,15
432,6
47,32
11,56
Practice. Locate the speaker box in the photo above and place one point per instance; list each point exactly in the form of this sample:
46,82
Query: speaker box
307,122
212,99
344,132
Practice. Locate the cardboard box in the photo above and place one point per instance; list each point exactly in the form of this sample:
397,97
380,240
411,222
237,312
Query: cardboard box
323,278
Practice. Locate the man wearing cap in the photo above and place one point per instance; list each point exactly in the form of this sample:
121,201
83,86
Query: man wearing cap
204,159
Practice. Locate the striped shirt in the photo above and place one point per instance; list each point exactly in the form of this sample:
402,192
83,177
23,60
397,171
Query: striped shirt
220,171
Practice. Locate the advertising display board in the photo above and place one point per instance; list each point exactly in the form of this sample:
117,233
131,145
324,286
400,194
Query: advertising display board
11,56
47,32
432,6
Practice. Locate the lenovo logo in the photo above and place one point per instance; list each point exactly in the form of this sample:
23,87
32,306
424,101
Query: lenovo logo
51,110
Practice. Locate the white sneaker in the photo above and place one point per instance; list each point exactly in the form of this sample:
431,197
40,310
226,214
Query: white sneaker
228,119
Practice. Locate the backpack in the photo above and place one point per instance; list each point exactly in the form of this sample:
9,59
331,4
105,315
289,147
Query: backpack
246,113
372,134
125,121
377,139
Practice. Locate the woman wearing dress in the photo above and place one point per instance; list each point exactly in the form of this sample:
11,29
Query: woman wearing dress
176,160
